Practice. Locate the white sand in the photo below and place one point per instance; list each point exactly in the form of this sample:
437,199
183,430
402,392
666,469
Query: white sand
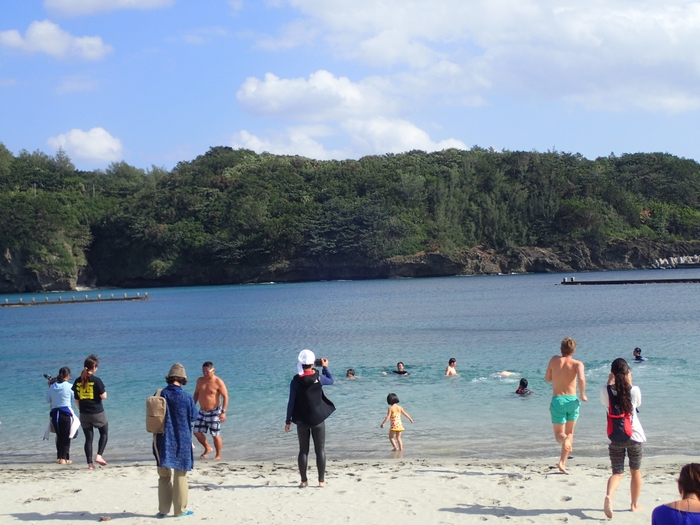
392,491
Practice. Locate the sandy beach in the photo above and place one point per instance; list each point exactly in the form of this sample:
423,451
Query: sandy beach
411,491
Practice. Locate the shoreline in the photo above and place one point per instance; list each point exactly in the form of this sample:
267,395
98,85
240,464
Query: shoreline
410,490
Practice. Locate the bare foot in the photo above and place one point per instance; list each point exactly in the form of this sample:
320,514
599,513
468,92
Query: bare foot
321,483
100,461
607,507
562,467
91,466
217,458
68,462
303,484
61,461
635,508
568,442
206,451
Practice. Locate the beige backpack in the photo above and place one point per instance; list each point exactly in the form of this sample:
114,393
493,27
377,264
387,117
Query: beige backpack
156,407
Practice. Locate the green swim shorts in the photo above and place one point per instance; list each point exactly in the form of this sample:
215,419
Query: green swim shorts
564,408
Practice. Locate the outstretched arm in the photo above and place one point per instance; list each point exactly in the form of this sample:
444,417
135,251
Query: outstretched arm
406,414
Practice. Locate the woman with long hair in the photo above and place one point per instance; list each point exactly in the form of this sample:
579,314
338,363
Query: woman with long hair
685,511
89,392
60,397
623,399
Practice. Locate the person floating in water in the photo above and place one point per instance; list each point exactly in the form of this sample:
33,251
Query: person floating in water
523,390
638,354
399,370
451,369
350,374
394,413
563,372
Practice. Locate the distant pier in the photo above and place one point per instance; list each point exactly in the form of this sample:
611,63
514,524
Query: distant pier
73,299
573,282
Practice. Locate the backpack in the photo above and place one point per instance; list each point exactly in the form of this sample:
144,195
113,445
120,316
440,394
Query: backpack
156,407
619,423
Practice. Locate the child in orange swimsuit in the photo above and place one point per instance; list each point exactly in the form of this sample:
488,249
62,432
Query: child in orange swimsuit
394,413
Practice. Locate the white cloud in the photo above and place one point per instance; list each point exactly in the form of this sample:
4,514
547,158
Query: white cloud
382,135
293,141
601,54
372,136
88,7
47,37
94,145
321,98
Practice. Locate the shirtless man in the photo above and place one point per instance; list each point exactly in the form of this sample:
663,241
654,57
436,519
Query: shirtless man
563,372
451,370
212,408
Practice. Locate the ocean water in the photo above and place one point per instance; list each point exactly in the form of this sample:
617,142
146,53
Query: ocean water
253,334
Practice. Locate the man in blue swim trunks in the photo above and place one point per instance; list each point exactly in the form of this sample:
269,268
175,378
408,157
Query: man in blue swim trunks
563,372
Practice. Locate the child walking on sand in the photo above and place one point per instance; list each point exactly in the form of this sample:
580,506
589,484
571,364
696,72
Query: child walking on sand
396,428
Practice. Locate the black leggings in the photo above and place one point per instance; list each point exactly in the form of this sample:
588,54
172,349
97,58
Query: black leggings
89,432
61,424
319,434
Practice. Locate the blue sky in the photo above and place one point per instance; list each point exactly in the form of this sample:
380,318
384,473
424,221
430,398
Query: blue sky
154,82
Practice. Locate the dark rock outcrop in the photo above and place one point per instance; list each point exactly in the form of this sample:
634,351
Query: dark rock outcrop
16,274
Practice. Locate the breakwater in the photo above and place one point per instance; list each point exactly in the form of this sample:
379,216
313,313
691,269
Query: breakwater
86,299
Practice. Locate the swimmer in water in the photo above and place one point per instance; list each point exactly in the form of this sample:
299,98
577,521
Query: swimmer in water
350,374
400,369
451,370
638,355
523,390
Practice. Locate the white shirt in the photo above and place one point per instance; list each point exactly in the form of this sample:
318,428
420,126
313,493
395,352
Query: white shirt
636,395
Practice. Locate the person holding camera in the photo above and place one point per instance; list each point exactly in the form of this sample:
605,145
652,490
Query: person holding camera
60,397
308,408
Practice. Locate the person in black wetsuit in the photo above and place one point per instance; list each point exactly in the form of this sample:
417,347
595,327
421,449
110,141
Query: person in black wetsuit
308,408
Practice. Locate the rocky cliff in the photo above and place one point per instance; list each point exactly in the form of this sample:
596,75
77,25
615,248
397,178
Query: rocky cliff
18,275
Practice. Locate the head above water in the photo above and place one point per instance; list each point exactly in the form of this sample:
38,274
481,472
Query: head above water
350,373
568,346
399,366
523,383
689,480
452,361
392,399
637,351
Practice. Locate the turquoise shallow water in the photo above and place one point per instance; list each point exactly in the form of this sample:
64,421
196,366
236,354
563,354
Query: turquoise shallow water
253,333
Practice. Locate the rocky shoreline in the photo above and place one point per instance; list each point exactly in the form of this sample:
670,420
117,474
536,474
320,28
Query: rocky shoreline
17,277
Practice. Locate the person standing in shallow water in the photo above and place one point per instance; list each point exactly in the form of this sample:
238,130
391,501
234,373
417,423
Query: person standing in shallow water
89,393
308,408
212,396
451,369
563,372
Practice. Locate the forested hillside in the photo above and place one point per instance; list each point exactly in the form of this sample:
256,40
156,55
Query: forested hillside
235,216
